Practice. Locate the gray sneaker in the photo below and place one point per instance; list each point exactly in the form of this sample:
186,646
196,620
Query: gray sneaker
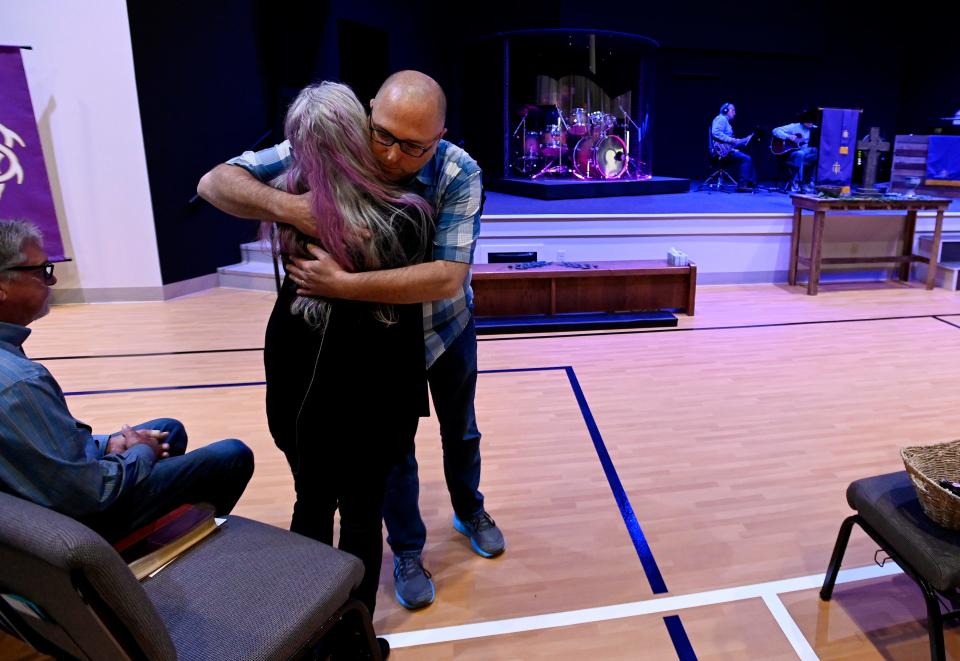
485,538
414,585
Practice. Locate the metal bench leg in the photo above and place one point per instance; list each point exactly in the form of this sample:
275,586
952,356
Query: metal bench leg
934,622
838,550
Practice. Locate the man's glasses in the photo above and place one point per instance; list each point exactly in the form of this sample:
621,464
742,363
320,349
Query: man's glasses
46,267
387,139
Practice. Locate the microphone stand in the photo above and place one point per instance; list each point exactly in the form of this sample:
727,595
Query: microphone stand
563,129
628,118
559,168
523,135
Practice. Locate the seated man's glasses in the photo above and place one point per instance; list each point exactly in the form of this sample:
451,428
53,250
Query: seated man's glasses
46,267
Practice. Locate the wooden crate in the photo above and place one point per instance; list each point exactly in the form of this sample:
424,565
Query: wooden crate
910,160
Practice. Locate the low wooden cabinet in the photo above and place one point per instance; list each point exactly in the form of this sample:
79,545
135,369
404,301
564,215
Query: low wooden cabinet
613,286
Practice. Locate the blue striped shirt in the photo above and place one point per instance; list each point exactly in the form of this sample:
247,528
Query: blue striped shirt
46,455
451,182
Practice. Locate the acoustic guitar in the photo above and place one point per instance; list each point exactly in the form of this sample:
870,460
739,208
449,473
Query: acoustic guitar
779,146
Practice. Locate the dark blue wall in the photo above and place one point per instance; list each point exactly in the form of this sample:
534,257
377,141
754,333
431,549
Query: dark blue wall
214,76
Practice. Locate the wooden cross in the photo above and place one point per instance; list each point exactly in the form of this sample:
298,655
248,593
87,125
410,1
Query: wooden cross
873,144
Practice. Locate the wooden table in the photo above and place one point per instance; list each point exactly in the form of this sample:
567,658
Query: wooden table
614,286
821,207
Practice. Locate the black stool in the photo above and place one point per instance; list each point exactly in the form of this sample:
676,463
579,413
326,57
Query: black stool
889,512
719,177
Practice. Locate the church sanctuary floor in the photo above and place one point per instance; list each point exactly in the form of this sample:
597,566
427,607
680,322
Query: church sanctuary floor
664,493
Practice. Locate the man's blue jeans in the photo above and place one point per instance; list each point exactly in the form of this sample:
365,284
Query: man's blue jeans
743,165
453,385
806,156
217,474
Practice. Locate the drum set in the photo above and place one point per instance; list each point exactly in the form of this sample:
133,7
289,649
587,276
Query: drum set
598,153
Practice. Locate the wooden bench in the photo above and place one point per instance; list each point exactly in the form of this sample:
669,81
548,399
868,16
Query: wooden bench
613,286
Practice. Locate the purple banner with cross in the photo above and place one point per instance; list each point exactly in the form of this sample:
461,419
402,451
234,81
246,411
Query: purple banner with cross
24,187
838,147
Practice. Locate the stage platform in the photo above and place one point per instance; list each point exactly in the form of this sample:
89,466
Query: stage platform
703,202
567,189
734,238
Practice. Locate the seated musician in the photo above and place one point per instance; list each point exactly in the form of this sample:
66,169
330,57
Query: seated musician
791,144
723,148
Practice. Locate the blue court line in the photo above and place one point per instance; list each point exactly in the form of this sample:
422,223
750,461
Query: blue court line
509,338
243,384
148,354
524,369
650,568
948,323
681,642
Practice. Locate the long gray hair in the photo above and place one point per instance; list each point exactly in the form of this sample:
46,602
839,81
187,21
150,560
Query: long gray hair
360,217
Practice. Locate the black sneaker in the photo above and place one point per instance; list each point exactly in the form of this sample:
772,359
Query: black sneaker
413,584
485,538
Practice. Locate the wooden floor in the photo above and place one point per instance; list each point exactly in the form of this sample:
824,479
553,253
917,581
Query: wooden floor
733,437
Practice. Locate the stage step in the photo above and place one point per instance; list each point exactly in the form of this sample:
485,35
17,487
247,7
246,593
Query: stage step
949,246
948,275
254,272
573,322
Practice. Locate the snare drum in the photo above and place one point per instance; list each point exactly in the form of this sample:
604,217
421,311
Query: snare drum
553,141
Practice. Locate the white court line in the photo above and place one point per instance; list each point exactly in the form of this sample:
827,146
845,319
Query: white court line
790,629
631,609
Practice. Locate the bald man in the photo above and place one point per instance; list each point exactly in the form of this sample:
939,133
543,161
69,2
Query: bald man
407,125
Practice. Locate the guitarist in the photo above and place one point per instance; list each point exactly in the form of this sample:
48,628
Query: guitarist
791,144
723,148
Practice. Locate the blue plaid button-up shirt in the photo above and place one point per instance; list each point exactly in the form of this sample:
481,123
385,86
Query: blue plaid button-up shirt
46,455
451,182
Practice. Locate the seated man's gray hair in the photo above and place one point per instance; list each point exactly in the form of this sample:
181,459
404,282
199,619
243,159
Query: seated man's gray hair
14,234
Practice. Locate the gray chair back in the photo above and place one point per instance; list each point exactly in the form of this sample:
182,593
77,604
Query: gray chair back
68,592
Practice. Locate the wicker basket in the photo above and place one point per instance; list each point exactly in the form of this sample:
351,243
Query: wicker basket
927,465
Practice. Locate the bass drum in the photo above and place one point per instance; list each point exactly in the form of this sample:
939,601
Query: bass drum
600,158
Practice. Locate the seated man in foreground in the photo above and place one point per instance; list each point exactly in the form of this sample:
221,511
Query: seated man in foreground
114,484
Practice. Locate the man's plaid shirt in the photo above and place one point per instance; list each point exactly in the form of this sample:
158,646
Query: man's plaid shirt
451,182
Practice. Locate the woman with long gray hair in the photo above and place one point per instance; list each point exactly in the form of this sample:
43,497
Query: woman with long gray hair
346,380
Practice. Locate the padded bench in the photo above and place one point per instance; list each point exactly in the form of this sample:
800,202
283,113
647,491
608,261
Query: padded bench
889,512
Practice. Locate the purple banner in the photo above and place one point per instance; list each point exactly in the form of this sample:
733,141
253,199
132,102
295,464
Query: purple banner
838,139
24,187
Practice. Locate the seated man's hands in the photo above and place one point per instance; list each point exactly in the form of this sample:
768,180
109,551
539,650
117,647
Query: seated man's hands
128,437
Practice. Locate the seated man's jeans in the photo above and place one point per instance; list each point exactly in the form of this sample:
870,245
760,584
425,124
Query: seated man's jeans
216,473
742,165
